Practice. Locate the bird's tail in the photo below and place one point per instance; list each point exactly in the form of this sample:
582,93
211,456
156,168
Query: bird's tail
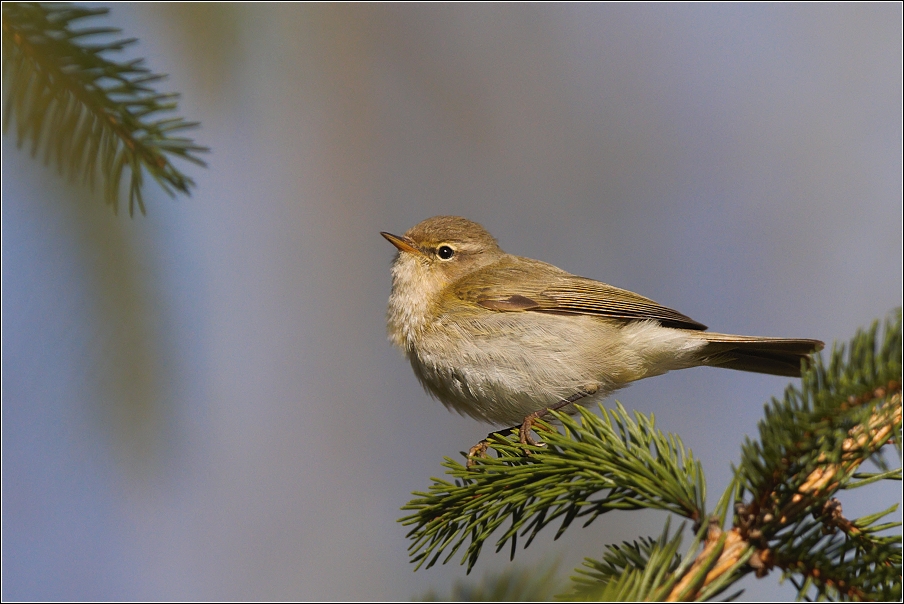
776,356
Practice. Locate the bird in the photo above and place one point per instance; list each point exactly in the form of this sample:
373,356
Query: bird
505,339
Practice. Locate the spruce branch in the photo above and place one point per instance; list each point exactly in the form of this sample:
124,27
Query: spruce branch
92,116
631,463
810,445
786,513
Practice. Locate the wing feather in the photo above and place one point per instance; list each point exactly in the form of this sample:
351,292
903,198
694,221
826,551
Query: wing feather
520,285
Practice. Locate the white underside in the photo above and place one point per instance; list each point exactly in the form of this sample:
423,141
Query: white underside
508,365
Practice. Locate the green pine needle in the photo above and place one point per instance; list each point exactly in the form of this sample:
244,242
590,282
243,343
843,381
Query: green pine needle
865,478
92,116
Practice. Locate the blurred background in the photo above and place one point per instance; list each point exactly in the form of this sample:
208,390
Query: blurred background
202,403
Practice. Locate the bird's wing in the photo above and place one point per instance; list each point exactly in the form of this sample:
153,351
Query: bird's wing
531,286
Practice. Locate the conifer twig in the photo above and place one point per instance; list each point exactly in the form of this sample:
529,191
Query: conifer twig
862,437
91,115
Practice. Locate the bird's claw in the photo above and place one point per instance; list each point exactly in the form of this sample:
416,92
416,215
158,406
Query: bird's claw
524,432
478,450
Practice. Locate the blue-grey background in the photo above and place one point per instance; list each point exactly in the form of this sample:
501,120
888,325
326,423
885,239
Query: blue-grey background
202,403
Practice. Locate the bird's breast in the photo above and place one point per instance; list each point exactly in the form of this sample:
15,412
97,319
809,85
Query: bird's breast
500,367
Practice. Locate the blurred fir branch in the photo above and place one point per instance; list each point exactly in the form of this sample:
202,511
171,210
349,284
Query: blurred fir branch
516,584
92,116
786,515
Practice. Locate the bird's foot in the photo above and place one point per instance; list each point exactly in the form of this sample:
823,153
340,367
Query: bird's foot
478,450
527,426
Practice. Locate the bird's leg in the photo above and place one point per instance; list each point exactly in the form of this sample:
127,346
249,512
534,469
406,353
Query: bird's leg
528,424
480,449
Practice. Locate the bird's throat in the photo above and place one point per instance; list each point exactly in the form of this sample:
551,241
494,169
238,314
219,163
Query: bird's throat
414,290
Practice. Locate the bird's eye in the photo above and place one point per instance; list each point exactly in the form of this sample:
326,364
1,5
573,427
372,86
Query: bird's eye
445,252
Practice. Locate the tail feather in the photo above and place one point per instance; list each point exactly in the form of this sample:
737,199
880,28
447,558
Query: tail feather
775,356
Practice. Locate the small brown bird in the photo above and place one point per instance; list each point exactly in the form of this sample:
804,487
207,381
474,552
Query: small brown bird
503,338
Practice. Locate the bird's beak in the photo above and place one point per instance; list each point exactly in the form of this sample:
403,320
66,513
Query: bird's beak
404,244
